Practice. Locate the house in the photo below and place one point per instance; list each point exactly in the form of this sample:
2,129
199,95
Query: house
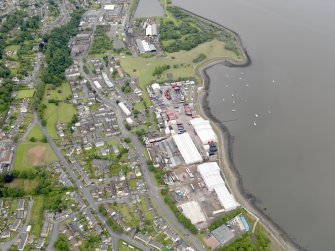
156,245
23,241
143,238
40,243
45,229
15,225
5,234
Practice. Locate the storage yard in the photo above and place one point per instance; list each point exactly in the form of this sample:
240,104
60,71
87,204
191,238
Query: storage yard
187,150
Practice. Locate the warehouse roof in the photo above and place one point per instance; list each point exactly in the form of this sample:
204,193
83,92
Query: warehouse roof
204,130
193,211
210,173
187,148
223,234
109,7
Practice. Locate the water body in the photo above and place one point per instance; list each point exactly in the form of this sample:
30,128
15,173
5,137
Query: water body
284,104
149,8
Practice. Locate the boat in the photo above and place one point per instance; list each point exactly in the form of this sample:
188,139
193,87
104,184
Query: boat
233,110
256,115
254,122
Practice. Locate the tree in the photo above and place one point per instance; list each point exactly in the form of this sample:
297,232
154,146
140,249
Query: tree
61,243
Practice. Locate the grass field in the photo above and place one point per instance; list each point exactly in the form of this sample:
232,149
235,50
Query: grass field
143,68
60,93
29,155
63,112
25,94
36,133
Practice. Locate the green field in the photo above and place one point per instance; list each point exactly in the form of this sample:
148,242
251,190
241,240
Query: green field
143,68
25,94
36,216
63,112
60,93
29,155
35,133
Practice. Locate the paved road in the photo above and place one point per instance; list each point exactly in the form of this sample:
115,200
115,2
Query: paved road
85,191
153,191
54,233
9,243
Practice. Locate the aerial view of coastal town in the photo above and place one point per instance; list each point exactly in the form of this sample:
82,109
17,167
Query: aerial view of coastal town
108,135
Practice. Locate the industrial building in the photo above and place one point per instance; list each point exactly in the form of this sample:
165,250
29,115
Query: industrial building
204,130
124,109
144,46
109,7
192,211
210,173
151,30
187,148
223,234
97,85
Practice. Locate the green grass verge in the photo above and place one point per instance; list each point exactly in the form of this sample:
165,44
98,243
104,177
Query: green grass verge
36,217
35,133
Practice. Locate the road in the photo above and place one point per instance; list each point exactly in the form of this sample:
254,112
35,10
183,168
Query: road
162,208
8,244
85,191
55,228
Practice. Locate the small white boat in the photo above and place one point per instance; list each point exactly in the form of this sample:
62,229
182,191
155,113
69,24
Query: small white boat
223,99
232,95
273,81
256,115
255,123
233,101
233,110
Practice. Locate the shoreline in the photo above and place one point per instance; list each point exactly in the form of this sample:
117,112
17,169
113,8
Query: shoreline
230,172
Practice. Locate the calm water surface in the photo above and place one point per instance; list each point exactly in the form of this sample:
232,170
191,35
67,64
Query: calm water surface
149,8
285,109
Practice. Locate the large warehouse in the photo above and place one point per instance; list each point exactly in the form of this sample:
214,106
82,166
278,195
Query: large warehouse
144,46
192,210
210,173
186,147
204,130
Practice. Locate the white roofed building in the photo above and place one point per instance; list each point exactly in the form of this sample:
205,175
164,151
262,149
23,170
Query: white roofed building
204,130
187,148
109,7
210,173
192,211
151,30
